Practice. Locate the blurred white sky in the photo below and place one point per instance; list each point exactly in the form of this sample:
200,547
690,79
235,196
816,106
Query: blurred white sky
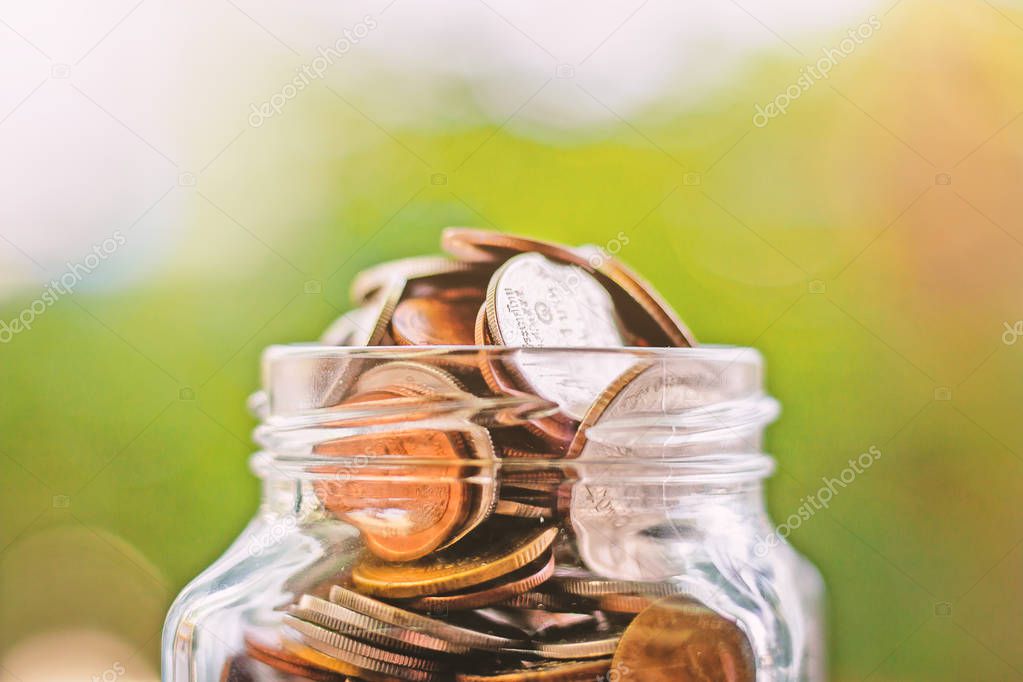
109,109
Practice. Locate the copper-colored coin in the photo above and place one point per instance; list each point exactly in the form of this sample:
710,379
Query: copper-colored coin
677,639
645,310
471,282
551,671
486,246
340,661
524,580
251,669
457,636
501,550
512,452
399,519
435,322
274,655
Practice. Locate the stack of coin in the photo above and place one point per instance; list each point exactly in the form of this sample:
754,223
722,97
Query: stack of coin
461,576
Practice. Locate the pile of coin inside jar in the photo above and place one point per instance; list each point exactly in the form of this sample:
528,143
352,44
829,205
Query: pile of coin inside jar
479,584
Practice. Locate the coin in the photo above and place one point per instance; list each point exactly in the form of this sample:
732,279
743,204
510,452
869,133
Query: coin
421,378
599,587
281,660
354,328
501,550
426,381
533,302
547,601
600,405
629,604
550,671
523,580
315,635
367,325
371,280
415,640
645,310
251,669
399,520
387,613
486,246
324,656
669,398
579,645
435,322
524,510
677,639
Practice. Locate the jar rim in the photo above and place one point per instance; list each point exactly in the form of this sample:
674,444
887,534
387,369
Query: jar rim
663,404
277,352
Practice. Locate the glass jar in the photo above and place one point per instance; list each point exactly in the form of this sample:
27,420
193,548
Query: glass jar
400,481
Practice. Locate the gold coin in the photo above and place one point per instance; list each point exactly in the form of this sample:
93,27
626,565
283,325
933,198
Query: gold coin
524,580
677,639
552,671
494,551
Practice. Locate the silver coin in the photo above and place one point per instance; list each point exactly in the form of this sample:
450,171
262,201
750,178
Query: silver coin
598,587
395,616
580,647
351,329
362,656
533,302
660,405
371,281
367,325
368,629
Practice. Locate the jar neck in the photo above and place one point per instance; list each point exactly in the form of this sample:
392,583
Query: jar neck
696,488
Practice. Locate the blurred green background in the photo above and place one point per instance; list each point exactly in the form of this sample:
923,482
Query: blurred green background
869,241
